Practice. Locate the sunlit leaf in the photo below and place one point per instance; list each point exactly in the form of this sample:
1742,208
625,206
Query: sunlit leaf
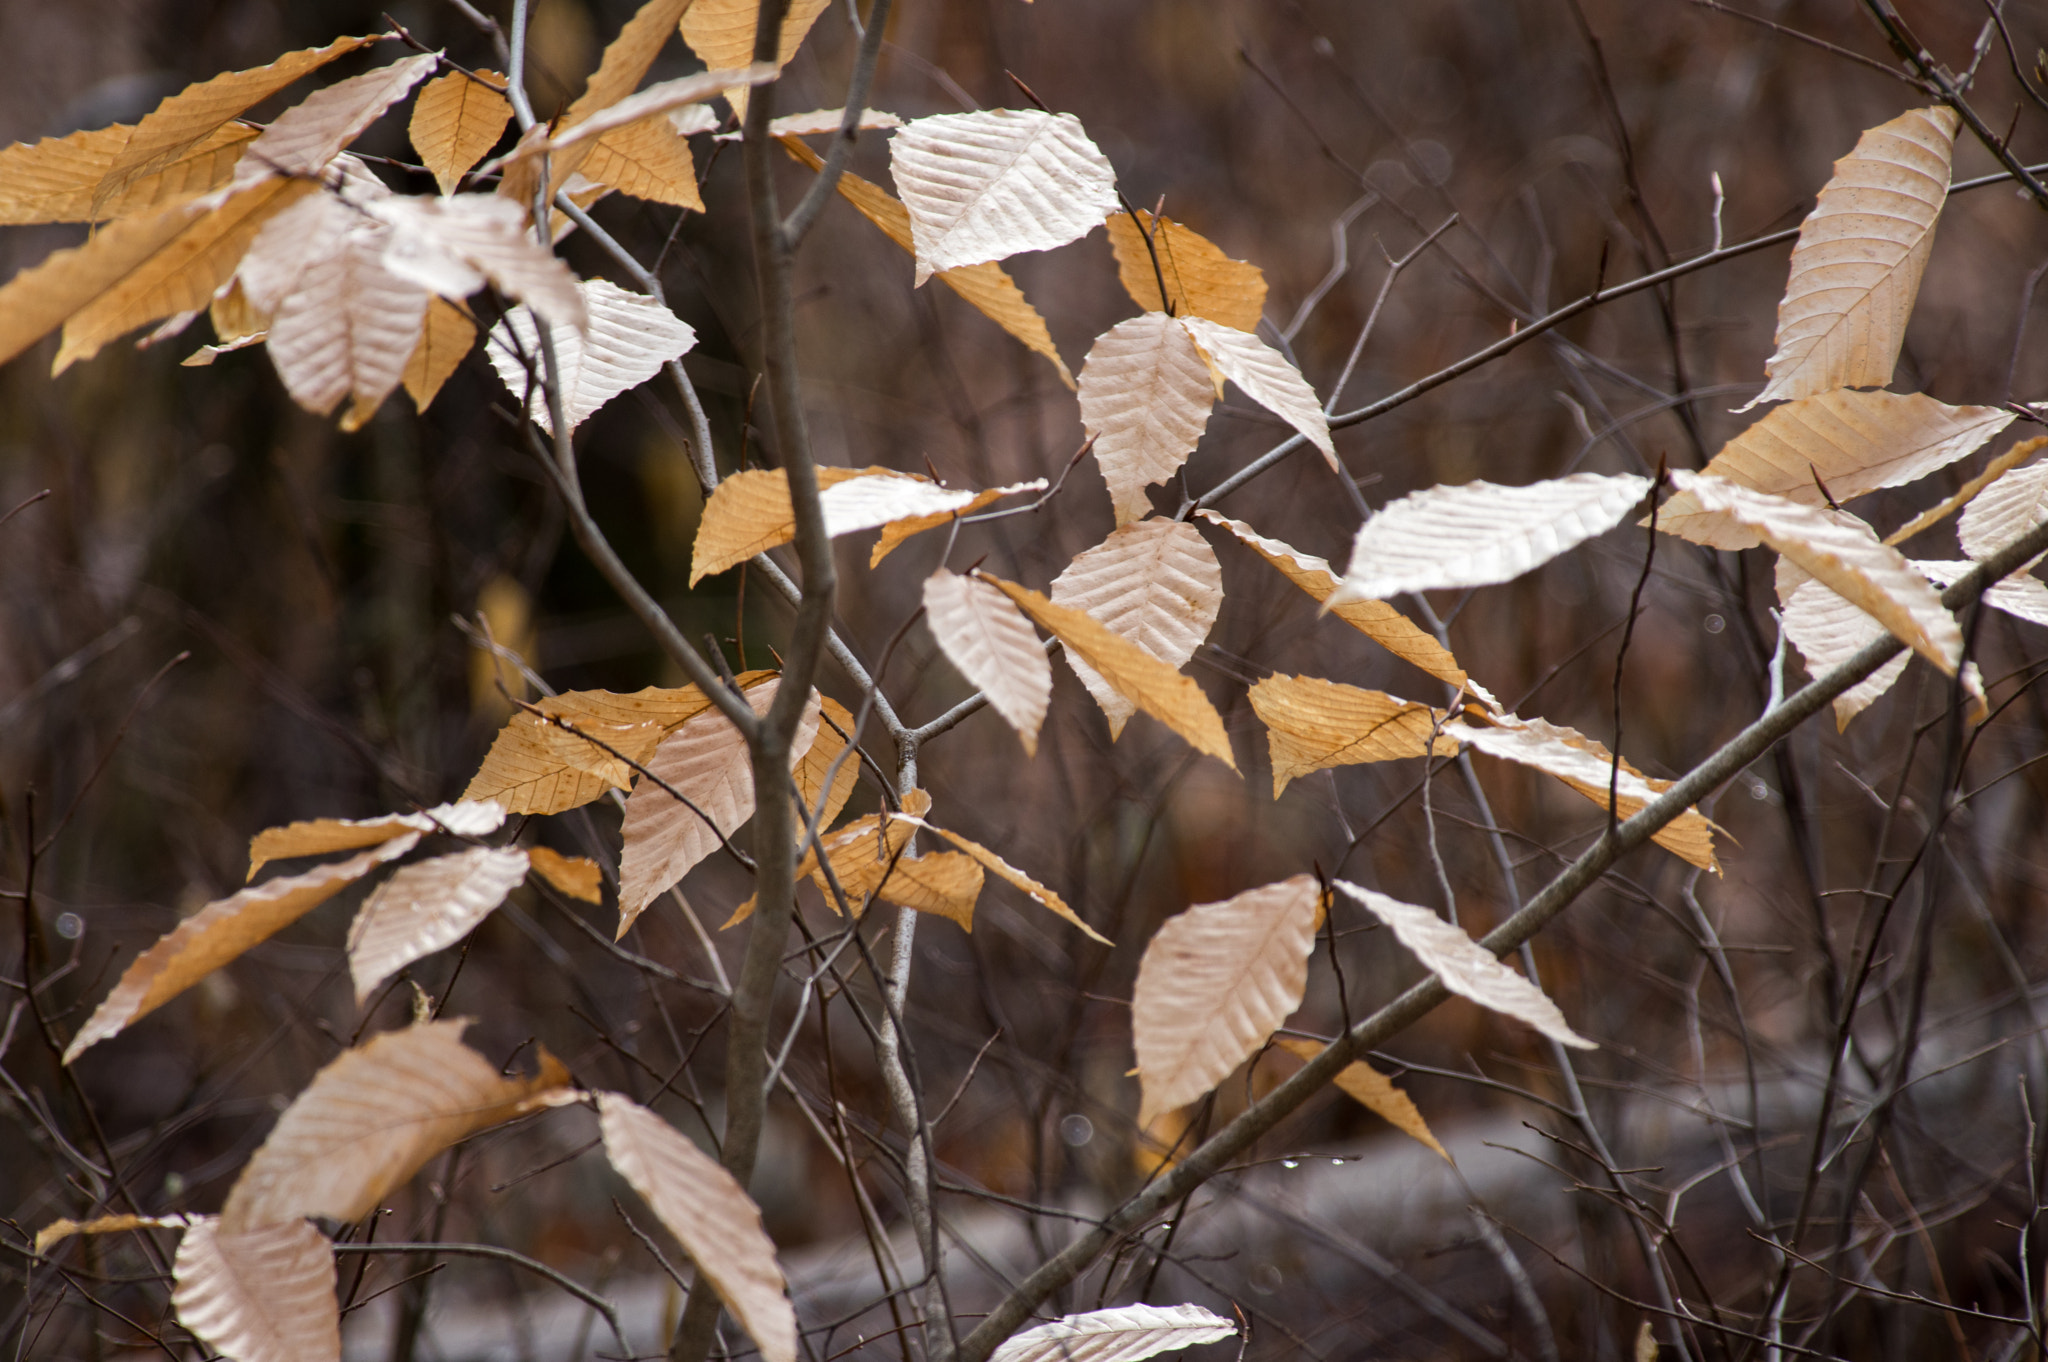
1268,378
1312,725
817,122
2022,596
1145,396
1828,630
896,531
1375,1092
259,1294
984,634
1156,583
629,339
455,120
722,33
324,836
1128,1333
1201,281
425,906
453,246
2005,511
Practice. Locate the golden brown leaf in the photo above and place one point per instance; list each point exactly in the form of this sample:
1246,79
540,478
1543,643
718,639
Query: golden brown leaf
1201,281
447,335
425,906
1375,1092
1312,724
262,1294
835,727
1156,583
984,635
945,883
859,854
1011,875
1997,468
750,513
455,120
58,179
323,836
577,876
305,138
721,32
648,161
896,531
370,1119
58,1230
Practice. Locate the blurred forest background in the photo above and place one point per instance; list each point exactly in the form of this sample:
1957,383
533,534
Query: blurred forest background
314,577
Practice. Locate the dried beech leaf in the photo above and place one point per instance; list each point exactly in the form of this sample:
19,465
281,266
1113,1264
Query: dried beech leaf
630,338
648,161
1857,267
1009,874
706,762
817,122
2020,595
859,854
628,57
219,932
572,143
722,33
1139,677
988,638
987,286
1844,553
454,246
1128,1333
259,1294
323,836
2005,511
1851,442
577,876
1145,396
855,504
750,512
1377,620
985,185
1479,533
455,120
1156,583
896,531
425,906
1216,981
58,179
1994,468
1312,725
1585,765
1828,630
1268,378
945,883
1467,968
835,727
710,1215
371,1118
301,141
447,335
59,1230
1375,1092
1201,281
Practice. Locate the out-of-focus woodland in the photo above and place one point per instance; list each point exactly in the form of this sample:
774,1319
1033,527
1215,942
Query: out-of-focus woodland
319,594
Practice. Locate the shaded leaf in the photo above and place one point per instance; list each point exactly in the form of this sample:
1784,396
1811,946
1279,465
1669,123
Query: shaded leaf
1201,281
577,876
859,855
1375,1092
750,512
1009,874
710,1215
59,1230
2020,595
985,185
1128,1333
1312,724
1156,583
371,1118
1995,468
2005,511
896,531
453,246
630,338
835,727
219,932
1857,267
628,57
945,883
988,638
455,120
1828,630
447,335
323,836
1465,967
1480,533
655,102
425,906
301,141
1145,396
1268,378
59,178
1215,982
261,1294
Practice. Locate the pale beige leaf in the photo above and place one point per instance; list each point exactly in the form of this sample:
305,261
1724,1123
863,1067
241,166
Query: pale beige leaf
1375,1092
323,836
706,762
1312,725
1268,378
722,33
1139,677
1156,583
896,531
1215,982
59,1230
750,513
1201,281
58,179
1127,1333
648,161
371,1118
630,338
1145,396
447,335
710,1215
1377,620
260,1294
1861,252
219,932
835,727
1465,967
425,906
987,637
455,120
1009,874
987,286
453,246
985,185
1851,442
2020,595
1478,534
1843,553
175,127
2005,511
1828,630
851,505
577,876
301,141
1585,764
1995,468
819,121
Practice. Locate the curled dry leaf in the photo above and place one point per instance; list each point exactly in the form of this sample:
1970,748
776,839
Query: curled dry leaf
1145,396
453,246
896,531
710,1215
1156,583
1312,724
985,185
1127,1333
1009,874
577,876
1375,1092
300,142
371,1118
1215,982
629,338
1842,552
1850,442
2004,511
1268,378
750,512
987,286
1828,630
706,762
1994,468
425,906
1201,281
851,505
655,102
1133,673
58,179
59,1230
1480,533
1377,620
1861,252
859,854
456,118
447,335
835,729
259,1294
984,634
323,836
219,932
1465,967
